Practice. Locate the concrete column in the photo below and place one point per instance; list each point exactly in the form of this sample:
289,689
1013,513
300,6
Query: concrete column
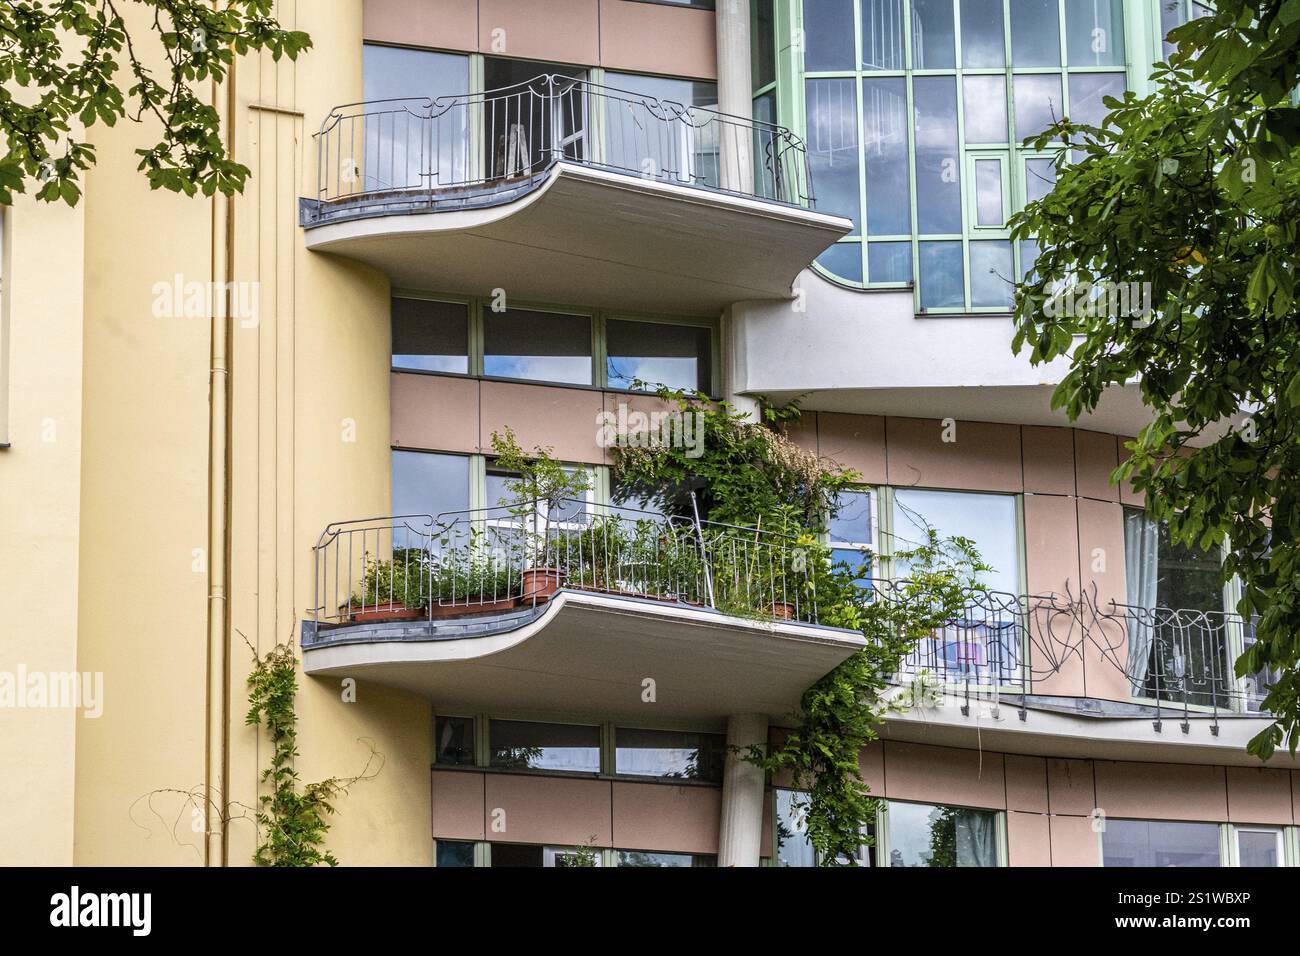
735,96
740,835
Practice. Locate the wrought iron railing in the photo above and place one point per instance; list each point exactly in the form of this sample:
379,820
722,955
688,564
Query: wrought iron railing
496,560
481,148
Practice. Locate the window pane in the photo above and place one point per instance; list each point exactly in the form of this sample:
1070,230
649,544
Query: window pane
843,260
430,336
1040,178
852,523
992,279
1171,15
636,138
1258,847
942,276
933,45
982,43
925,835
762,43
639,858
683,755
793,847
1148,843
989,204
455,741
678,356
1035,33
889,262
1028,256
984,105
511,854
884,135
1086,91
428,484
1038,103
882,35
987,519
523,745
1094,32
455,853
938,168
833,147
542,346
828,35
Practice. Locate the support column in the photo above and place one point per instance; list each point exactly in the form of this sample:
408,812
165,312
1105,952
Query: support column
740,835
735,96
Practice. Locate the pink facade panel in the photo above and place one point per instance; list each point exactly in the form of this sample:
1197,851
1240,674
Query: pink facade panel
1074,842
961,455
855,441
871,764
564,419
944,775
552,810
667,819
1259,795
1161,791
1052,567
434,412
1049,460
1026,783
656,38
457,805
440,24
1101,559
1096,455
562,31
804,432
1070,786
1029,839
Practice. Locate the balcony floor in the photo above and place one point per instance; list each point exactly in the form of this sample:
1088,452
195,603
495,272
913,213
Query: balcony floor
591,237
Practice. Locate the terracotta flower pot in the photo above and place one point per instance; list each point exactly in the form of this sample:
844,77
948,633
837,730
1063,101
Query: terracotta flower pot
386,611
462,607
781,610
540,584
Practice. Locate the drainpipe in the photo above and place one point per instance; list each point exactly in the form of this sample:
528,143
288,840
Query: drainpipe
217,737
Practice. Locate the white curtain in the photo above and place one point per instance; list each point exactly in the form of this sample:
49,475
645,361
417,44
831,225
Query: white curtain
977,835
1141,573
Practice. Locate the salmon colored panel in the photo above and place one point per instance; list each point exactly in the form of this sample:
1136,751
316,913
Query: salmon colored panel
562,31
1029,839
457,805
925,774
444,24
854,441
1259,795
981,457
1127,495
1074,842
1070,786
804,432
1049,460
434,412
769,819
783,778
871,762
1052,566
548,810
626,409
1026,783
655,38
1101,558
1096,455
1161,791
564,419
650,816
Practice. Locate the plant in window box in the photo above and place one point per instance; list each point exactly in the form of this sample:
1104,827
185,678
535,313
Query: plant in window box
395,589
542,487
472,576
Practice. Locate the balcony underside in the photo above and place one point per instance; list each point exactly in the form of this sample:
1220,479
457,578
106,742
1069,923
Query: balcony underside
585,654
591,237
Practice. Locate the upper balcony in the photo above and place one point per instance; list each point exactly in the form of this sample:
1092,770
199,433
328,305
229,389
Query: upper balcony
560,190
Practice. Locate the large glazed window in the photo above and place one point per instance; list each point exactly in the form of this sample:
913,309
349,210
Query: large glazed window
989,520
637,137
647,354
429,484
919,834
430,336
914,115
538,346
524,745
678,754
1152,843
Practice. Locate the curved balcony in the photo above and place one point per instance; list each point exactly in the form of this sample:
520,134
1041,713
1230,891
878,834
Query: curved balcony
552,606
566,191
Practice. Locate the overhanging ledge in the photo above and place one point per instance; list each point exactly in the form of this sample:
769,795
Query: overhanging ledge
592,237
590,653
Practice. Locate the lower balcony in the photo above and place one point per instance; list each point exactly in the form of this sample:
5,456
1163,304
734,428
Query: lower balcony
561,190
571,608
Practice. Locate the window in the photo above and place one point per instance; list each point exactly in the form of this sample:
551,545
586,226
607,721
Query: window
430,336
539,346
902,100
429,484
1258,846
637,139
683,755
1151,843
654,353
1174,13
793,848
919,834
640,858
852,533
526,131
454,853
454,741
519,854
524,745
990,520
1178,641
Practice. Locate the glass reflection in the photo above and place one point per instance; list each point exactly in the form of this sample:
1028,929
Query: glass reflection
1094,32
1086,93
889,261
656,353
935,836
641,858
430,336
942,275
833,147
882,35
933,40
793,848
1038,103
682,755
989,209
540,346
938,166
1035,33
984,108
884,134
991,274
524,745
982,43
1150,843
828,35
987,519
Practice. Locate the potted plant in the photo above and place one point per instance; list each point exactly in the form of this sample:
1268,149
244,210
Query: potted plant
471,578
393,589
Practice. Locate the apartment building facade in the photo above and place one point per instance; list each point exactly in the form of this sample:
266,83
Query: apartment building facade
467,216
